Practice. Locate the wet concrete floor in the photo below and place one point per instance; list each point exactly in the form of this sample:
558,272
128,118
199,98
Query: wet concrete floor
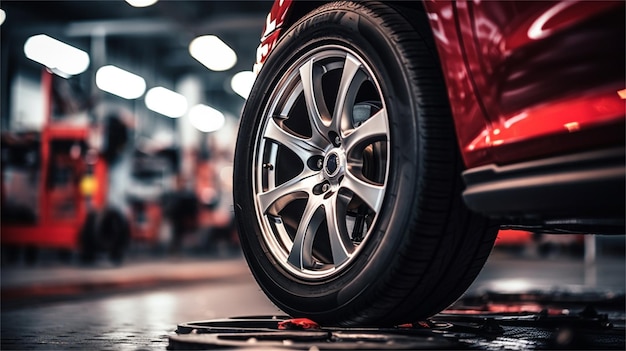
144,318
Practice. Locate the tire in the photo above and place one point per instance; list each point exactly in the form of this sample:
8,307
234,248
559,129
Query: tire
88,234
106,231
355,220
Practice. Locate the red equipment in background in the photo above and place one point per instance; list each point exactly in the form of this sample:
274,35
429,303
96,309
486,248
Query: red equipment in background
60,205
54,189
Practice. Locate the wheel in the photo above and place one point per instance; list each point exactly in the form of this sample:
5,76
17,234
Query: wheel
114,235
347,174
88,233
106,231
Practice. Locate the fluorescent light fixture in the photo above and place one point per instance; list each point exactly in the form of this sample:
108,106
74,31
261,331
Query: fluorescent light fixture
3,16
56,54
212,52
166,102
242,83
206,118
141,3
511,285
119,82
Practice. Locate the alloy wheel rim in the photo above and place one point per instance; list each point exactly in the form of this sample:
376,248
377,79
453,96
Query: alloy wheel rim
321,162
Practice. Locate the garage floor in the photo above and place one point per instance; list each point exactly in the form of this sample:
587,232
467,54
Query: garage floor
553,301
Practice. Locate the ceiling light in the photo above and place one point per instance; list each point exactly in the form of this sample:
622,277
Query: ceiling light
119,82
242,83
56,54
3,16
212,52
166,102
141,3
206,119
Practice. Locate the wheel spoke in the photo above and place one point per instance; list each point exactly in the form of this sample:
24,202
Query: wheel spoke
349,85
340,243
300,146
301,254
274,200
311,76
372,130
371,194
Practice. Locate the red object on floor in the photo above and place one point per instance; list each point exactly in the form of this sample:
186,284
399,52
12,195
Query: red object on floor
298,323
510,237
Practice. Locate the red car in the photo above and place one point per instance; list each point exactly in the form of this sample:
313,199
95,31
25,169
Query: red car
384,144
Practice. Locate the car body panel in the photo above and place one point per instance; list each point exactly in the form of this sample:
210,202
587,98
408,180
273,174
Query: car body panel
470,116
544,75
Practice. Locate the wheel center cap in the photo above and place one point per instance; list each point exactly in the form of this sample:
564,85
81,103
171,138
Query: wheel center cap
333,164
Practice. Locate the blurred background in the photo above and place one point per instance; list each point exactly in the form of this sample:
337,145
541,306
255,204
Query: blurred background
118,126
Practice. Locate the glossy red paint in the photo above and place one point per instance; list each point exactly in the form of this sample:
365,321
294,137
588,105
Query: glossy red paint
271,31
539,93
526,79
575,124
470,119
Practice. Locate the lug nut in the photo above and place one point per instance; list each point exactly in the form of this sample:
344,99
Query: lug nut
325,187
320,163
337,141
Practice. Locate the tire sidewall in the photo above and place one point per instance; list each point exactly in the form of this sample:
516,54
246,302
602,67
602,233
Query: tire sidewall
353,27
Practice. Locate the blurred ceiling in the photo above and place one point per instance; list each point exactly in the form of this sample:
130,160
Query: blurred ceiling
158,35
